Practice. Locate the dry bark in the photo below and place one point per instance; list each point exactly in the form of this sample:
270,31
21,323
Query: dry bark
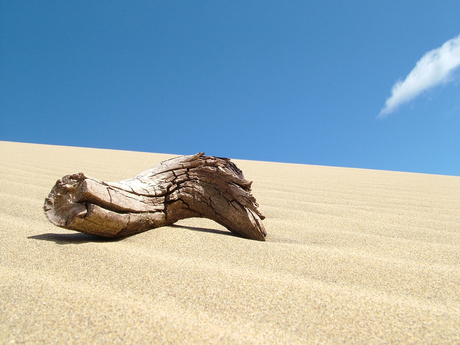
182,187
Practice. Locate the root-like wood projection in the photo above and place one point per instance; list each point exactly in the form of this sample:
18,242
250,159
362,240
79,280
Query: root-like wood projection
182,187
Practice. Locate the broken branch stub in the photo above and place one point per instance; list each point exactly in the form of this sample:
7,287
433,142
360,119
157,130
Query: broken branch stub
182,187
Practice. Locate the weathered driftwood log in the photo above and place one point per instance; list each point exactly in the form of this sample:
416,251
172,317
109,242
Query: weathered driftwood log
182,187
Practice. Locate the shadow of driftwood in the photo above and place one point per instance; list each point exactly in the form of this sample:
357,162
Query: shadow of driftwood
73,238
212,231
76,238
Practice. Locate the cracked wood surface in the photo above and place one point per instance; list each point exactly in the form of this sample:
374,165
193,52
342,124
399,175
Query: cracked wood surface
179,188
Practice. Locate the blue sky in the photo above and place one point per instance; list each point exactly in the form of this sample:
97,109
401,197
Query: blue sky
314,82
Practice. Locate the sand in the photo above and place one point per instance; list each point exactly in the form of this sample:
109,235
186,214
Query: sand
352,256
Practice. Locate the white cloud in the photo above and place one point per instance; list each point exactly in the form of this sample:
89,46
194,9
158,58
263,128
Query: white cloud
434,68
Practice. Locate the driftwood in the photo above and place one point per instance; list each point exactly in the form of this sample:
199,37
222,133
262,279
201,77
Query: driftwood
182,187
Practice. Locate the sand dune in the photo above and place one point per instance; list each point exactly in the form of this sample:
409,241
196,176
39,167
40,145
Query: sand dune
352,255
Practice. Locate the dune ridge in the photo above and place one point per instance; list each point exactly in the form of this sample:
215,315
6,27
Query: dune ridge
352,255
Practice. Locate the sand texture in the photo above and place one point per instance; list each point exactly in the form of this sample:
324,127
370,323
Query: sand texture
352,256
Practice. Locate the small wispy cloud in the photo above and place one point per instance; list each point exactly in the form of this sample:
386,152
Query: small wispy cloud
434,68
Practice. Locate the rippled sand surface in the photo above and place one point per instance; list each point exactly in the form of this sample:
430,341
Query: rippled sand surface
352,255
